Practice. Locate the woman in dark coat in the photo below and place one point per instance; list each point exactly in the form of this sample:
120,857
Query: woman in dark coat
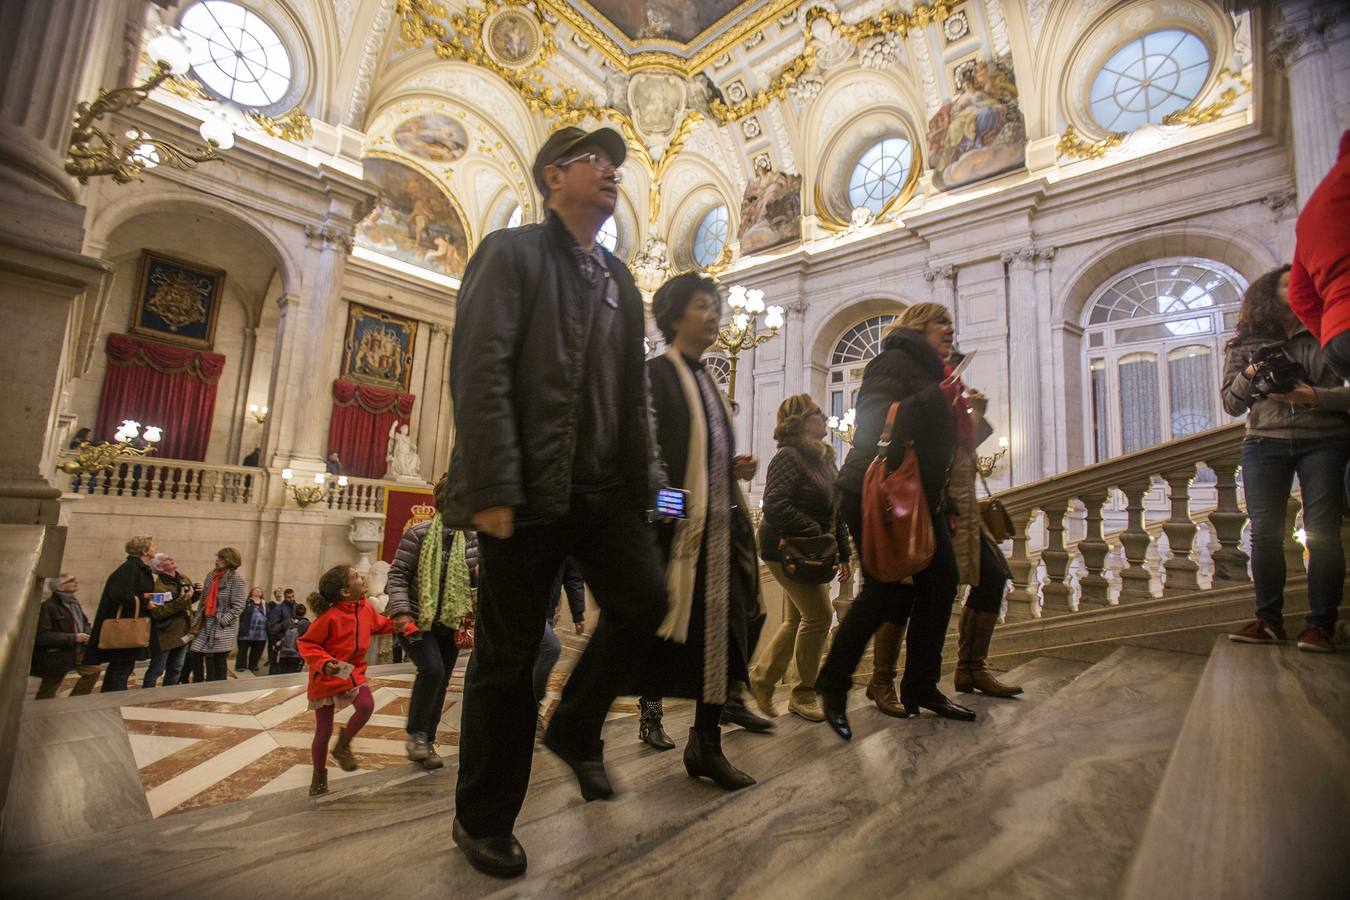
125,594
908,369
172,629
63,630
704,645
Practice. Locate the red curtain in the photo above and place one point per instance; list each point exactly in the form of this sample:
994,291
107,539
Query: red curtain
359,428
160,384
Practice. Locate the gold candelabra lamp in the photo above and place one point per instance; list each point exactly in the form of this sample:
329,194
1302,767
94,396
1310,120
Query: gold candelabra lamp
741,334
842,427
986,465
95,152
259,413
106,454
306,495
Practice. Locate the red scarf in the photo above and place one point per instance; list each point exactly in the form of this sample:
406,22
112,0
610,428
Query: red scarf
212,588
953,389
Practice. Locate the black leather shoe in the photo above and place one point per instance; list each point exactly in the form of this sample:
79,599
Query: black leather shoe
703,758
650,731
835,707
936,702
500,857
735,712
590,770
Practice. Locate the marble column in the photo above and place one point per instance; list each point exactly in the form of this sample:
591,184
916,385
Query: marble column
1300,48
1024,366
795,379
942,288
445,430
1053,443
432,400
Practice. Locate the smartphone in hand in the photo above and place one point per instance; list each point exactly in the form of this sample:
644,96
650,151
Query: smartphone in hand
671,503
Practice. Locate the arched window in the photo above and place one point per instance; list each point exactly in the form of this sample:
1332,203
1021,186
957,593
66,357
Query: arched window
880,173
720,370
711,236
609,235
516,215
236,54
851,355
1148,78
1155,336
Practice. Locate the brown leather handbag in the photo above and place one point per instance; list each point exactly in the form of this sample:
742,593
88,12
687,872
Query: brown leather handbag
897,538
118,633
995,516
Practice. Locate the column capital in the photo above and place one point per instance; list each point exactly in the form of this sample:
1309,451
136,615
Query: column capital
1026,257
327,236
796,309
934,273
1294,39
1283,203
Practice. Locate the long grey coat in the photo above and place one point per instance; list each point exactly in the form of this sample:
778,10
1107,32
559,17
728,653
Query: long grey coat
218,632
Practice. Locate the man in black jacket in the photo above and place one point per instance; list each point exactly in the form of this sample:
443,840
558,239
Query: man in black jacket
553,458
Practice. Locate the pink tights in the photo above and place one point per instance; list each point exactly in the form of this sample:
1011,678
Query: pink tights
362,707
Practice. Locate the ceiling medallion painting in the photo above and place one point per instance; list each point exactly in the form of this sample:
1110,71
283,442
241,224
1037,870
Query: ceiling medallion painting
434,137
512,37
678,21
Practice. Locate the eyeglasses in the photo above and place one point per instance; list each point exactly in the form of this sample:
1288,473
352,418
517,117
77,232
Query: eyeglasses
598,162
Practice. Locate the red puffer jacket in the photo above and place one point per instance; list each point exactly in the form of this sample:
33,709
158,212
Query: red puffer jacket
1319,283
341,634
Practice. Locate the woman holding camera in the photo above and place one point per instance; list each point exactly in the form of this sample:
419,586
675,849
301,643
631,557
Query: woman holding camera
799,506
1298,423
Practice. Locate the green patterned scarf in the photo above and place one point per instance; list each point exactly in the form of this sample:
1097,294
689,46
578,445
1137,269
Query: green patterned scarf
457,600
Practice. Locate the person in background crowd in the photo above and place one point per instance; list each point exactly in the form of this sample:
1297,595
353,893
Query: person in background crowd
1305,432
799,501
550,648
705,647
430,585
223,601
62,633
252,636
909,370
333,464
81,436
552,458
1319,282
340,635
279,609
125,594
254,458
172,631
288,650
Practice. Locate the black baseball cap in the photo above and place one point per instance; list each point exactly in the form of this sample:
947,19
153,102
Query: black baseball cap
563,141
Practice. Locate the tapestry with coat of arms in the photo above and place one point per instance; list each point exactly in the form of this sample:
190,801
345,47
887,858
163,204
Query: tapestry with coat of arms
378,349
178,301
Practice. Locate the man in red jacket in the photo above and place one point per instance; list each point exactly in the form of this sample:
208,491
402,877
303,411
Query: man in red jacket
1319,282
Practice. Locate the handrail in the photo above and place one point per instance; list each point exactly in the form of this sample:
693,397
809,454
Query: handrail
159,478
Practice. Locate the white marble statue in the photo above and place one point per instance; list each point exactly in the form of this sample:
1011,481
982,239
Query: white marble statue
404,463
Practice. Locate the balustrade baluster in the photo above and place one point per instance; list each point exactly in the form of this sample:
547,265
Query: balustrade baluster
1230,563
1180,530
1056,590
1093,588
1022,601
1134,577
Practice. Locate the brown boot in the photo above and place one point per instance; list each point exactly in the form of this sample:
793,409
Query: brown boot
885,658
342,753
977,630
319,783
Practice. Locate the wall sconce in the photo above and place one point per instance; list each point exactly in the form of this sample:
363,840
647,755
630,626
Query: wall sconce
842,428
306,495
259,413
106,454
94,151
986,465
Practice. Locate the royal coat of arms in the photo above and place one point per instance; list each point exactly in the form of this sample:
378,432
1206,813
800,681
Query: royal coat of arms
379,348
178,301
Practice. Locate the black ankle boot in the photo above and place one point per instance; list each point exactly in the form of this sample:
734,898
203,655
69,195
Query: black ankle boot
735,712
937,702
703,758
649,726
835,707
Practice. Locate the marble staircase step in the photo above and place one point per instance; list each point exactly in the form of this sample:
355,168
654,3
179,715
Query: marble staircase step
1257,792
819,787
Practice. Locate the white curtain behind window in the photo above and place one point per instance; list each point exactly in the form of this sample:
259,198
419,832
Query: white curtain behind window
1140,422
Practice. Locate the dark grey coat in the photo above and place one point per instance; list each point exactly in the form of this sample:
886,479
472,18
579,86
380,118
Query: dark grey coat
402,586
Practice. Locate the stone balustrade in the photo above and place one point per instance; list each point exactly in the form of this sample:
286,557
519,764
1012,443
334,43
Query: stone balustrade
172,479
359,495
1083,494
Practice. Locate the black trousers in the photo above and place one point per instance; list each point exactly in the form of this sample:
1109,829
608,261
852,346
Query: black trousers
434,653
216,665
115,678
987,596
615,547
926,605
250,653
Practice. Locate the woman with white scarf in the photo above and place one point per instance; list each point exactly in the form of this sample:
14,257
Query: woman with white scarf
711,579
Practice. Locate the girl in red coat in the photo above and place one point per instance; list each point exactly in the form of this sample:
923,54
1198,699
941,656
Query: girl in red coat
339,636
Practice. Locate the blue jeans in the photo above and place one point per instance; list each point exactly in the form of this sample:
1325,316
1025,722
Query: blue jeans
168,663
1268,469
550,650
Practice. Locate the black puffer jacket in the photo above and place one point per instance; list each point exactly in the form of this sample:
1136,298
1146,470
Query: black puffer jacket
516,374
907,369
799,501
402,586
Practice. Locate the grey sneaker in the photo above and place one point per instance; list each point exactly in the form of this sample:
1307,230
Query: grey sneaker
418,748
433,760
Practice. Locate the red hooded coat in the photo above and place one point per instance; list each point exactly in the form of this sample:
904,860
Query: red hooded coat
1319,282
341,634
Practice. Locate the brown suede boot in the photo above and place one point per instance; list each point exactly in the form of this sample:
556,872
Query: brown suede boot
977,630
885,659
319,783
342,753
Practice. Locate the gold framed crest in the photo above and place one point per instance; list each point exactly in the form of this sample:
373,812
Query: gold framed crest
379,347
177,301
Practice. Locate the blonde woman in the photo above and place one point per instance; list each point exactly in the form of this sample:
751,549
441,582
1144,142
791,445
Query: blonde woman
799,501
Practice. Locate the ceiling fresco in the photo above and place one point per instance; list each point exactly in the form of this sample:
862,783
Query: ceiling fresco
679,21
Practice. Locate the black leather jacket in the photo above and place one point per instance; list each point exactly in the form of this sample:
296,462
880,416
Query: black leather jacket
516,374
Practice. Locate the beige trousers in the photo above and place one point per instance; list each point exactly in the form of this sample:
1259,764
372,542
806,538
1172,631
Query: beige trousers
801,637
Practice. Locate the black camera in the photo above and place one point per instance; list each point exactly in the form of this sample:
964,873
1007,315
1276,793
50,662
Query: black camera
1276,373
